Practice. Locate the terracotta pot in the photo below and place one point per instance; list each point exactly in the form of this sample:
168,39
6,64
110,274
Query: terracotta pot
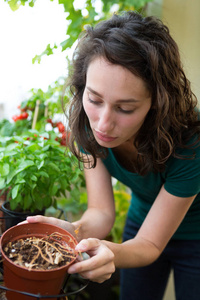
37,282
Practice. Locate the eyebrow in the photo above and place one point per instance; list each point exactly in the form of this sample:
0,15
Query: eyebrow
119,100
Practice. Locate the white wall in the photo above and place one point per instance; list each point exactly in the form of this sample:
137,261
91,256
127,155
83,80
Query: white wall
23,34
182,17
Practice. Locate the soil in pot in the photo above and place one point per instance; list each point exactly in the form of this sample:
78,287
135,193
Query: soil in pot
35,259
46,253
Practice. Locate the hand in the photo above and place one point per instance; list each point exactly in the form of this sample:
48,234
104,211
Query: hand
100,266
51,220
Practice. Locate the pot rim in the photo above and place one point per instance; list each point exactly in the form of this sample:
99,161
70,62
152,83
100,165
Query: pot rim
14,213
30,225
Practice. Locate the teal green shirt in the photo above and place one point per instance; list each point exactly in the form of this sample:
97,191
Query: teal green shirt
180,178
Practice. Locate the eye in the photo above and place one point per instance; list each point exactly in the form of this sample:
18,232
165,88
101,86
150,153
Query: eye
125,111
93,101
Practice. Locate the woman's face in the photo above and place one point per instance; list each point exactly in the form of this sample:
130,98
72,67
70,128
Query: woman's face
115,101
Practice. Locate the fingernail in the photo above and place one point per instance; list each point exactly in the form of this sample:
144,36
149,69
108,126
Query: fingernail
81,246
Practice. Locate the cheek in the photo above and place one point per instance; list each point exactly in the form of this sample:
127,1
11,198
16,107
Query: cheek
131,125
85,105
89,110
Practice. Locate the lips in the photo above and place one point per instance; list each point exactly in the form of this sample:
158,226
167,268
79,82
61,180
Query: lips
103,137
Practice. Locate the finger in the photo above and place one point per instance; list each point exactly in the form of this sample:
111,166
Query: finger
95,249
41,219
23,222
99,257
101,274
88,244
51,220
90,264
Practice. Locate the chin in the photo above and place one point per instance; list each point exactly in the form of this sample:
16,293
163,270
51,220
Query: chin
108,144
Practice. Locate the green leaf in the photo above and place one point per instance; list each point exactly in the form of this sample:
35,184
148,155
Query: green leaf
13,204
31,4
53,189
44,174
47,201
36,58
10,153
21,167
7,129
14,5
18,199
33,147
54,167
46,148
39,202
68,5
2,183
43,155
39,164
20,180
11,147
25,164
4,169
34,178
65,44
15,191
27,201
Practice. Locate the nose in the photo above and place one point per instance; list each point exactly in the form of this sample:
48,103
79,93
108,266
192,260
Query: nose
106,121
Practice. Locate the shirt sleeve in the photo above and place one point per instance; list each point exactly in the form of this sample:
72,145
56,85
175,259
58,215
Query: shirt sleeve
182,175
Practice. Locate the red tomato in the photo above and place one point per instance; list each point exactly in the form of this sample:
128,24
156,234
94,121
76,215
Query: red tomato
64,135
50,121
24,115
63,142
61,127
22,109
15,118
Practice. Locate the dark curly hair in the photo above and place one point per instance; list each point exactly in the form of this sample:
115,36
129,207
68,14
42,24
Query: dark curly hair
142,45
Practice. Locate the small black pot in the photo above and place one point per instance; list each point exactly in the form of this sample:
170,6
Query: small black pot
12,218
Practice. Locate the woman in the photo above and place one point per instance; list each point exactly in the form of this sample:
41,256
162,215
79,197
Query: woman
133,116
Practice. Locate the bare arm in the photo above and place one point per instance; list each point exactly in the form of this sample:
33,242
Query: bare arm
160,224
98,219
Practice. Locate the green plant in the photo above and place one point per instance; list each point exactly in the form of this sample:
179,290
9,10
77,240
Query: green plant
51,98
8,128
122,202
36,170
49,104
